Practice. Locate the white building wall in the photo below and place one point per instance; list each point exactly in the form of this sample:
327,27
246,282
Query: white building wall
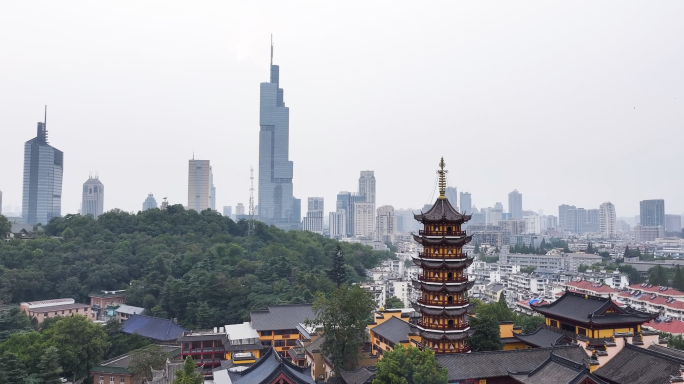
364,219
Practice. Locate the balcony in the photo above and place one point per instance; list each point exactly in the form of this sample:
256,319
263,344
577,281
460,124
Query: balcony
437,279
440,233
444,303
444,327
456,350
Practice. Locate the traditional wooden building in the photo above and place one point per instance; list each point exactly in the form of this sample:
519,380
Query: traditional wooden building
443,283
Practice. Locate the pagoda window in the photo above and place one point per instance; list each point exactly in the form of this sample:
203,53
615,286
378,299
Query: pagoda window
450,276
450,299
449,231
451,323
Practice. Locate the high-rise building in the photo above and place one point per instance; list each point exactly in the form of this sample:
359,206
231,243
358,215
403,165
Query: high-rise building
364,219
652,213
607,219
452,195
228,211
43,171
276,200
199,185
673,223
93,197
385,224
212,195
149,203
367,185
515,205
313,221
239,210
345,201
466,203
337,224
643,233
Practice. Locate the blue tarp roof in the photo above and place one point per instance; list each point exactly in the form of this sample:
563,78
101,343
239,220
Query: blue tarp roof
533,301
153,328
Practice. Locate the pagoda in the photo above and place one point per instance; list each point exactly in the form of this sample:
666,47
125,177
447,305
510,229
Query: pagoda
442,283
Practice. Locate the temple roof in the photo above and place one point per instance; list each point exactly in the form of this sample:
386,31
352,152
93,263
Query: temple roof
441,312
636,365
594,310
542,338
453,241
453,336
442,211
443,263
557,370
268,367
443,287
393,329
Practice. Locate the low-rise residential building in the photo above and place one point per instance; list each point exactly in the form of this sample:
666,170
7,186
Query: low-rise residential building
595,289
124,312
104,303
207,348
115,370
281,326
44,309
492,292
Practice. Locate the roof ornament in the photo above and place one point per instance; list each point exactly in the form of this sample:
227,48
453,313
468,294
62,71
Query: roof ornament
442,179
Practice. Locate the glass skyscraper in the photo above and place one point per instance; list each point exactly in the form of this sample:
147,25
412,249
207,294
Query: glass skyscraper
43,170
277,205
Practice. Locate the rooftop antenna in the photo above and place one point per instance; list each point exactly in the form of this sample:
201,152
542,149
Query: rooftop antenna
250,227
45,118
271,49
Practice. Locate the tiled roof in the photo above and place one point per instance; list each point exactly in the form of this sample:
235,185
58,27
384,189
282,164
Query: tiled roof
676,353
589,286
315,346
153,328
129,309
394,330
280,317
591,309
540,338
557,370
442,210
484,365
362,375
656,289
120,364
675,326
658,300
63,307
635,365
268,367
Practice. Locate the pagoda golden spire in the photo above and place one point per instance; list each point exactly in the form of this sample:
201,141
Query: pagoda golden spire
442,179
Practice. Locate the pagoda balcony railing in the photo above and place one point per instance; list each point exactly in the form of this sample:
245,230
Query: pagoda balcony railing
437,279
455,350
444,327
447,256
445,303
422,232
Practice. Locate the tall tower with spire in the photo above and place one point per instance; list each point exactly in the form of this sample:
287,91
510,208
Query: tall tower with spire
43,171
443,281
277,205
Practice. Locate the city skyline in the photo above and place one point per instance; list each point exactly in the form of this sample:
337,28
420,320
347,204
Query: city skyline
321,85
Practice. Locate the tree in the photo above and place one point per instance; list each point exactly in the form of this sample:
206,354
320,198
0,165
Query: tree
49,370
502,299
5,227
82,343
343,317
68,234
626,254
145,359
409,366
13,321
189,374
657,276
393,302
338,274
678,281
528,323
11,368
487,335
121,343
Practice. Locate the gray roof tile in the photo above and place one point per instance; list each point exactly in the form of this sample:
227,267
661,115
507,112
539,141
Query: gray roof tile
394,330
635,365
280,317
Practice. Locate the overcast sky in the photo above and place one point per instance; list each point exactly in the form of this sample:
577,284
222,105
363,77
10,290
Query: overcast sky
575,102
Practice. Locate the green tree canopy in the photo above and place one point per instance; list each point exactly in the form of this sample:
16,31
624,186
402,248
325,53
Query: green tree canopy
13,321
343,316
5,227
338,274
49,370
11,369
487,336
393,302
82,344
189,374
409,366
145,359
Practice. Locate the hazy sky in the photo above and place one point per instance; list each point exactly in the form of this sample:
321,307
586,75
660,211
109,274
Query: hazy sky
574,102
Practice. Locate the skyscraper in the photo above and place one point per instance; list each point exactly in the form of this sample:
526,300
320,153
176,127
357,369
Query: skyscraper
149,203
673,223
228,211
199,185
43,171
313,221
316,204
466,203
276,200
212,195
607,219
239,210
364,219
515,205
338,224
385,224
367,185
345,202
652,212
451,195
93,197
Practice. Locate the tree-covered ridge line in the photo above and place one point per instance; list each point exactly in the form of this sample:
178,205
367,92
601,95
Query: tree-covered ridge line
200,268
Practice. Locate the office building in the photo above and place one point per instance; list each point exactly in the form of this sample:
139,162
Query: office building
643,233
515,205
652,213
240,210
228,211
385,224
313,222
149,203
673,223
466,203
43,172
338,224
364,219
199,185
533,224
277,205
212,195
345,201
451,195
93,197
367,186
607,219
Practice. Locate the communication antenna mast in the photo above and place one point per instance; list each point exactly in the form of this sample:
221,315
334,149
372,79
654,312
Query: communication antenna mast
250,228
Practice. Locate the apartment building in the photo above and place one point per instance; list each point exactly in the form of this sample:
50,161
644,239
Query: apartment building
44,309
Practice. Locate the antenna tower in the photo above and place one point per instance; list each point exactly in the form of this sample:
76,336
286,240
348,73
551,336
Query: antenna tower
250,228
